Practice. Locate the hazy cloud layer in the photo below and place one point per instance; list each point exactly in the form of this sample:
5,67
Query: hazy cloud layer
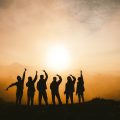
93,13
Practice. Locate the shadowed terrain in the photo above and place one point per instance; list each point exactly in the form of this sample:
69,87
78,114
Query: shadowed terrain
96,109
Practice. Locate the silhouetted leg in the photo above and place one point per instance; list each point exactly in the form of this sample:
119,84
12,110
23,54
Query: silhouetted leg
82,95
32,99
53,98
28,99
40,98
20,98
79,98
45,97
67,97
58,97
17,98
71,98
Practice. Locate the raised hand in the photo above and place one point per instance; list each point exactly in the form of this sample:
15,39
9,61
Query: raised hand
71,75
6,89
25,69
57,75
46,78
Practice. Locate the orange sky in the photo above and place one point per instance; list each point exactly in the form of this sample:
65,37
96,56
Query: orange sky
89,31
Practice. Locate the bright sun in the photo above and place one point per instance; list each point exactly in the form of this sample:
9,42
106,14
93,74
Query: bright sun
58,58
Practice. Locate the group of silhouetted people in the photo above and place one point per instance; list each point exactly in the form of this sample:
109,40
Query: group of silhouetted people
42,87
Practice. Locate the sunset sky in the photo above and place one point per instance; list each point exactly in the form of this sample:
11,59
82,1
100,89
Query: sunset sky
64,36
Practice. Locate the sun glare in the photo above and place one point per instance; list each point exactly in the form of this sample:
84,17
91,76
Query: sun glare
58,58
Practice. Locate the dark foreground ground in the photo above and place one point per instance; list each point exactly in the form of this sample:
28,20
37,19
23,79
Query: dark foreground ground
94,110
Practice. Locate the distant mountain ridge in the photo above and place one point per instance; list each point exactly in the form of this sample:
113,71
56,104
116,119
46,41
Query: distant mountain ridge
11,70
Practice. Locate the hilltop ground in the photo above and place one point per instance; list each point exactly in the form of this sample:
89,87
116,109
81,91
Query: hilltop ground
97,109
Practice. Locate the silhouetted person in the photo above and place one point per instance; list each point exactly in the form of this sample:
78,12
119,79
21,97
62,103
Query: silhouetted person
69,88
41,87
20,85
80,88
31,89
54,86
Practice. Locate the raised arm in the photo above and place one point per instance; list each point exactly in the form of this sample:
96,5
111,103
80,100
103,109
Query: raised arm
81,74
35,77
60,79
13,84
81,77
46,75
74,79
23,77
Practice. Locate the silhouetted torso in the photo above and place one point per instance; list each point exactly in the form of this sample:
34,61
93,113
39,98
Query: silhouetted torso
20,86
69,87
30,85
41,85
80,86
54,86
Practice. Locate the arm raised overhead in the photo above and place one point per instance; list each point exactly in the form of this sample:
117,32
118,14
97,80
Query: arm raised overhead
35,79
46,75
74,78
60,79
23,77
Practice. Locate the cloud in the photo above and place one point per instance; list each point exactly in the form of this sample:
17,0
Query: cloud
93,13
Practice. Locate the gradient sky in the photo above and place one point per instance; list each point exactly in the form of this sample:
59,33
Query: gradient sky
88,29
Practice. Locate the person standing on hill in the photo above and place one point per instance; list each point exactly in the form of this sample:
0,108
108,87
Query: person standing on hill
31,89
80,88
69,88
54,86
20,86
41,87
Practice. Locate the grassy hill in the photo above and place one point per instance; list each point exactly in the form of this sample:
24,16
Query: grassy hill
96,109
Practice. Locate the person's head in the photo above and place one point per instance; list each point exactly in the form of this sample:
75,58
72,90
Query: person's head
29,79
41,76
18,78
54,79
68,78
